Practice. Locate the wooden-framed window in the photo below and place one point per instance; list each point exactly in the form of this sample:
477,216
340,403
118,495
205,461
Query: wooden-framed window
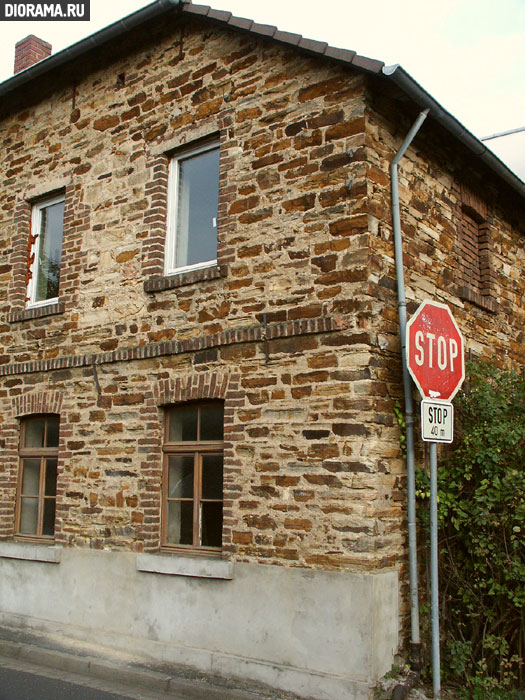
192,494
36,495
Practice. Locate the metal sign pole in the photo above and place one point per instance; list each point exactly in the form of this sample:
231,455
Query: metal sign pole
434,582
438,369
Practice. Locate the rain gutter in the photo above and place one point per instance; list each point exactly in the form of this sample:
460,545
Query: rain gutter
408,85
94,41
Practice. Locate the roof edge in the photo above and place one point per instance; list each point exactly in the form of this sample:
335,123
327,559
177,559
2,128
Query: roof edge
290,39
398,75
93,41
394,73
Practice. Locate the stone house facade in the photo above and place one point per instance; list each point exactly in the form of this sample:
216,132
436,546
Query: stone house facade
200,458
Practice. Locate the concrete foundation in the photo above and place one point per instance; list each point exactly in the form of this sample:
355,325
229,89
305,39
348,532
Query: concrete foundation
326,635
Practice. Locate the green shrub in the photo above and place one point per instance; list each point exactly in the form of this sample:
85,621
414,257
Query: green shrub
481,491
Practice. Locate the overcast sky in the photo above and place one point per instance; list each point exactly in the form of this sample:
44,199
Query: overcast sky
469,54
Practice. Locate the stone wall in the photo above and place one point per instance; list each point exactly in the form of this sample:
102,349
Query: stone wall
295,328
299,316
463,242
285,315
462,229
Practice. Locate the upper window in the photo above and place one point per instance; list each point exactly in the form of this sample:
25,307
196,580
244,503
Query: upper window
475,273
38,477
192,215
47,225
192,484
469,246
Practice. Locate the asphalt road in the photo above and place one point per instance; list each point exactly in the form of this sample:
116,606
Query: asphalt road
23,678
22,681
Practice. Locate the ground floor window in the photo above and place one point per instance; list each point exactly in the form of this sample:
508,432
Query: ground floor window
36,496
193,476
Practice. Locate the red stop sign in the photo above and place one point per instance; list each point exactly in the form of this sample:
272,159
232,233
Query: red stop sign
435,351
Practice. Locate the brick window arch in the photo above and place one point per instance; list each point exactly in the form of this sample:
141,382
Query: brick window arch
201,390
192,483
196,387
35,402
76,218
27,405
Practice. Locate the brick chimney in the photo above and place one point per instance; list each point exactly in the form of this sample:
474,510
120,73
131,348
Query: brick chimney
29,51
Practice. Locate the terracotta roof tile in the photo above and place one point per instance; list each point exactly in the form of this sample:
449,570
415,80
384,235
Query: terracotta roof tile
263,29
267,30
240,23
394,74
219,15
196,9
340,54
287,37
312,45
368,64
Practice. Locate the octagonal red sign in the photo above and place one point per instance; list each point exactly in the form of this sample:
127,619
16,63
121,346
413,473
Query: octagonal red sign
435,349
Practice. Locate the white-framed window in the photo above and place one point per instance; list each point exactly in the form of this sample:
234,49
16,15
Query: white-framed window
47,227
193,194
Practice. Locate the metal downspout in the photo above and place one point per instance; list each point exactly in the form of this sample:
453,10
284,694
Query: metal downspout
409,409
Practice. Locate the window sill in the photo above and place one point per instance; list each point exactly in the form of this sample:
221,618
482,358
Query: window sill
484,302
173,565
50,554
159,284
35,312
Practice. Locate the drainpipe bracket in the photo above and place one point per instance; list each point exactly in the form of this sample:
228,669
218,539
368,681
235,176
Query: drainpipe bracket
415,656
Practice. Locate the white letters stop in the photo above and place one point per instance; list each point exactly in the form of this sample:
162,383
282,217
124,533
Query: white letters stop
441,351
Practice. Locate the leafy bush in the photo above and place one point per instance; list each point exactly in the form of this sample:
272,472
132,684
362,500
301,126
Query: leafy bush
481,491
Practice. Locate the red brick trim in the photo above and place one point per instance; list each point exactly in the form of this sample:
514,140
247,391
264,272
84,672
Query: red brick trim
248,334
76,222
474,249
9,476
486,248
195,387
35,312
27,404
156,214
37,402
484,302
160,284
19,254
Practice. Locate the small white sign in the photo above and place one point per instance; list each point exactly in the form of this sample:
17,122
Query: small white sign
437,421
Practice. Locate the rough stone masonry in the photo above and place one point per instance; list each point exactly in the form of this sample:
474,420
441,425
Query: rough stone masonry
295,329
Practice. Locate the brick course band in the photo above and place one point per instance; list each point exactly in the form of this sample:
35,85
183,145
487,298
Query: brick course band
35,312
248,334
159,284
